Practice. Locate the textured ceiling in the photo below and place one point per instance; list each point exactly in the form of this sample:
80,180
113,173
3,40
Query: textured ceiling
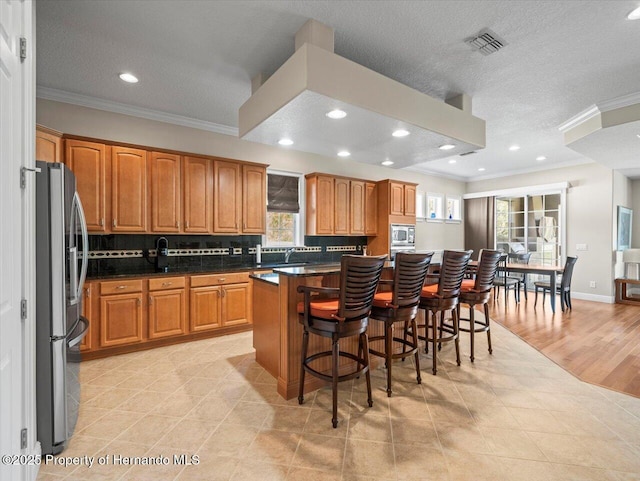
196,59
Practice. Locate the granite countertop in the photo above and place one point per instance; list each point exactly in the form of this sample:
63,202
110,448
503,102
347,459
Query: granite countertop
315,270
270,278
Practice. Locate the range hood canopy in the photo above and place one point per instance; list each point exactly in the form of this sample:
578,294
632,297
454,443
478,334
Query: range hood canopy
294,101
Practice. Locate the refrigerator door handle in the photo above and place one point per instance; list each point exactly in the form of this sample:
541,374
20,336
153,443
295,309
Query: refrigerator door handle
59,394
85,327
85,247
73,275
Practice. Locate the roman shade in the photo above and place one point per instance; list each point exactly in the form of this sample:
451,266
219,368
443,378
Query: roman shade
282,193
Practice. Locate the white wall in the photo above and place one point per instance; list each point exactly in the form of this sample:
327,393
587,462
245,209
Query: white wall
622,195
635,205
589,221
83,121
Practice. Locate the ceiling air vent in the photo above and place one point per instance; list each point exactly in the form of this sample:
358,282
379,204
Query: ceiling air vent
468,153
486,42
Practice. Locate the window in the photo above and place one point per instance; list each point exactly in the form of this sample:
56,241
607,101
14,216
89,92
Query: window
284,219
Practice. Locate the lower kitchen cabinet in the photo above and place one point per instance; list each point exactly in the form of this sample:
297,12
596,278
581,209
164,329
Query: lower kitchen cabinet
205,310
221,300
236,305
121,319
167,307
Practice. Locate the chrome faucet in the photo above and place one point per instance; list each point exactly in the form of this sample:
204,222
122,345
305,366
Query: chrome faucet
287,254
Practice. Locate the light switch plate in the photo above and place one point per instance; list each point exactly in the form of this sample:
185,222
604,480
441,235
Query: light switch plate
582,247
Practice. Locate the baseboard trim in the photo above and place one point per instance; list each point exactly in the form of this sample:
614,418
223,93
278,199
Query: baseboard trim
593,297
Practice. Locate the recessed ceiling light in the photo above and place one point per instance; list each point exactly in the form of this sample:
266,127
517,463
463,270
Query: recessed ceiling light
400,133
447,147
344,153
387,162
481,169
541,158
634,15
128,77
452,161
513,148
336,114
285,141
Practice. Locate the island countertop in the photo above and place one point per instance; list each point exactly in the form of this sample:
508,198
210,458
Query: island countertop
315,270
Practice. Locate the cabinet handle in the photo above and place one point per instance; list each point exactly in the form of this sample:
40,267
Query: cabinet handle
121,287
218,292
88,292
102,222
139,301
177,225
114,222
222,279
223,292
166,284
186,224
150,299
244,226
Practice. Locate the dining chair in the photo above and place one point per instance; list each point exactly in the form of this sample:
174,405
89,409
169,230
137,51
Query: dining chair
338,313
400,304
478,292
436,299
564,289
512,280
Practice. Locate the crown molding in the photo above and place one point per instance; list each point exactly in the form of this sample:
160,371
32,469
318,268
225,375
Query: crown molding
580,118
119,108
620,102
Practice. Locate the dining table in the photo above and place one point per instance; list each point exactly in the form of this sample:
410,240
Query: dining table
545,270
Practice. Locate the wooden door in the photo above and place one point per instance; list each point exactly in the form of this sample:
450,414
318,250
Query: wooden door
197,194
371,209
166,191
205,308
254,199
48,144
235,304
121,319
85,344
341,222
167,313
320,202
128,190
357,203
88,161
409,200
227,197
396,198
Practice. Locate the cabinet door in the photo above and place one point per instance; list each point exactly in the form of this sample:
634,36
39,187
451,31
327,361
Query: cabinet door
235,304
198,194
85,344
48,145
396,198
409,200
205,308
341,222
254,199
128,189
166,190
120,319
320,202
167,313
227,197
357,203
371,209
88,162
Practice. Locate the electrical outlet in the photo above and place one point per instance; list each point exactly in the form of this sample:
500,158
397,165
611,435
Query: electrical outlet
592,284
582,247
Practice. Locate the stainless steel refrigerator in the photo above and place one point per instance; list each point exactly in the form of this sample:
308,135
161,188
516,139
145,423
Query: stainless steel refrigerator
61,264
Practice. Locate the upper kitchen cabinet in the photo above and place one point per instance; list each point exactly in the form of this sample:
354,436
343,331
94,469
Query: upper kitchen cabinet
227,197
48,144
197,194
371,209
128,189
320,204
398,199
341,206
166,189
410,199
357,207
88,161
254,195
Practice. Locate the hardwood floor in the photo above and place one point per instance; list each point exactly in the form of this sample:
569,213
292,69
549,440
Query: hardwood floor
597,342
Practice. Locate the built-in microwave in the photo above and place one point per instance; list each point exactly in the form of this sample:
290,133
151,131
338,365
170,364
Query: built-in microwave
402,235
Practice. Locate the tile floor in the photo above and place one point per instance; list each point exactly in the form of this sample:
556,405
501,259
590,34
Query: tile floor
513,416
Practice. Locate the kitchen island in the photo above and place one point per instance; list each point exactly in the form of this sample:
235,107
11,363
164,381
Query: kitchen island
277,333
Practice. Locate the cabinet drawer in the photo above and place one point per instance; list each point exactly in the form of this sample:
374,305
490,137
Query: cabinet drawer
166,283
219,279
120,287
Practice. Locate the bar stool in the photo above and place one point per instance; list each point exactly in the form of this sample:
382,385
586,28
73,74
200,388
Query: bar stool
339,313
438,298
478,291
400,304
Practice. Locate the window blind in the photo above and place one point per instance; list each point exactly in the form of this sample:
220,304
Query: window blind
282,193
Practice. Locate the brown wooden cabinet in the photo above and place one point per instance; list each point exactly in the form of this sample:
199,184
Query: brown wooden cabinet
165,183
205,308
197,194
320,204
357,207
122,313
236,304
371,209
167,307
410,199
341,206
128,189
48,144
227,197
88,161
396,198
254,199
220,300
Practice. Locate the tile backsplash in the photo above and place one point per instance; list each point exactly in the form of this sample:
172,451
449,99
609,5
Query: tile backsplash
131,254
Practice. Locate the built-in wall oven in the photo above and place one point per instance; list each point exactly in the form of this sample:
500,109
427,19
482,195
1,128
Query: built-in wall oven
402,238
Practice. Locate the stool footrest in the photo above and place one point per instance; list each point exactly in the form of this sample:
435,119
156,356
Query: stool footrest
328,377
